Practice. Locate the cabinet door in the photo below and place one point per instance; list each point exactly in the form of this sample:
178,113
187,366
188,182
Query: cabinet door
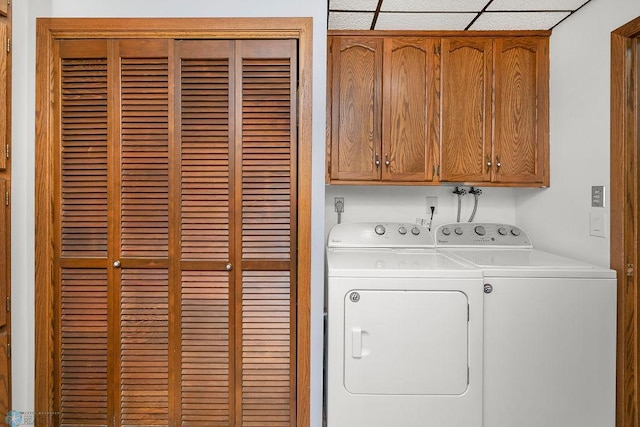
466,109
521,110
356,110
4,7
409,103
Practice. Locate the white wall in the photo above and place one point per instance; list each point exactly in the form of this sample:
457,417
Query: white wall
558,218
24,14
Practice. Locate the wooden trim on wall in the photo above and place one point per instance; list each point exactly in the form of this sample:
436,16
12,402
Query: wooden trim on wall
624,249
51,29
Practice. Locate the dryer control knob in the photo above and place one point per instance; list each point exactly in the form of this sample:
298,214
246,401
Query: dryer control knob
480,230
415,231
402,230
380,230
446,231
459,231
515,232
502,231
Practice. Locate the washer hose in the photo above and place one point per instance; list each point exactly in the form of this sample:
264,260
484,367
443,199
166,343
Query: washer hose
476,195
460,192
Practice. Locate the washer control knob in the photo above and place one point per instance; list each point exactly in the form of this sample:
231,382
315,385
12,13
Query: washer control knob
480,230
446,231
415,231
380,230
402,230
459,231
502,231
515,232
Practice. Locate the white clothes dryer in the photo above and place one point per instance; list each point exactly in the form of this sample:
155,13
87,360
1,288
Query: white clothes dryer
404,337
549,330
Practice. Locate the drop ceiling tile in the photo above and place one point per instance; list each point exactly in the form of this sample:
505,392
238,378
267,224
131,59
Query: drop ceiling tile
535,5
423,21
350,20
433,5
518,20
362,5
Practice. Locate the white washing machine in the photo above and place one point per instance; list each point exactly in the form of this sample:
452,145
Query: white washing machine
549,330
404,337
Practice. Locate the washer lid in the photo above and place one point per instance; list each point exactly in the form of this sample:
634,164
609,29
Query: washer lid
535,262
395,262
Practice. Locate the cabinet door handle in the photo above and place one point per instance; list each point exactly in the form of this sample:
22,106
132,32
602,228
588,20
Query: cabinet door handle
386,161
489,164
498,164
377,161
116,263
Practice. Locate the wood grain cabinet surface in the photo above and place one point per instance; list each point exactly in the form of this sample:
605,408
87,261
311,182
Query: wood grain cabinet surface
425,108
380,106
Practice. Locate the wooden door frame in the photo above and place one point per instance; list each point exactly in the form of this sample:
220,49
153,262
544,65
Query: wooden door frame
51,29
625,141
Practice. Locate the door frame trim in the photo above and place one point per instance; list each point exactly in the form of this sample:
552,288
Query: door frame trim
51,29
624,251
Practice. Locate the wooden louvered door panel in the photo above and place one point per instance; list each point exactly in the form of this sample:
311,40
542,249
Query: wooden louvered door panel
141,243
175,261
81,274
265,186
206,232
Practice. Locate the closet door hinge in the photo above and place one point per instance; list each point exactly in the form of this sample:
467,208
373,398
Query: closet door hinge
630,270
7,150
6,198
437,50
8,45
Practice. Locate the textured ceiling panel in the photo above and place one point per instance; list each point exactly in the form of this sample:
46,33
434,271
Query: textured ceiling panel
518,20
350,20
433,5
535,5
362,5
424,21
435,15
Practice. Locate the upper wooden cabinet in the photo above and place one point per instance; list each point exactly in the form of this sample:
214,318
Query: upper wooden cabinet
521,125
355,107
409,103
466,109
423,108
4,7
380,109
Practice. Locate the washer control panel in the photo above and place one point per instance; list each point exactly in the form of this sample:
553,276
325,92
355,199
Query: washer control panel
380,235
470,234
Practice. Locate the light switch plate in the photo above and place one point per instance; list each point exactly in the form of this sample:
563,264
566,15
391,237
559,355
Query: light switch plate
597,196
598,224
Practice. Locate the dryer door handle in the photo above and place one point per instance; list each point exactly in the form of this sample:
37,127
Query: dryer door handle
356,343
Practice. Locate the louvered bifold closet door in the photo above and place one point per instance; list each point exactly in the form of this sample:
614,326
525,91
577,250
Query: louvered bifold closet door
81,273
265,177
141,241
205,133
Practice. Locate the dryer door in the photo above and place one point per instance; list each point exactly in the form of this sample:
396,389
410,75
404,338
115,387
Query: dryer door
406,342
